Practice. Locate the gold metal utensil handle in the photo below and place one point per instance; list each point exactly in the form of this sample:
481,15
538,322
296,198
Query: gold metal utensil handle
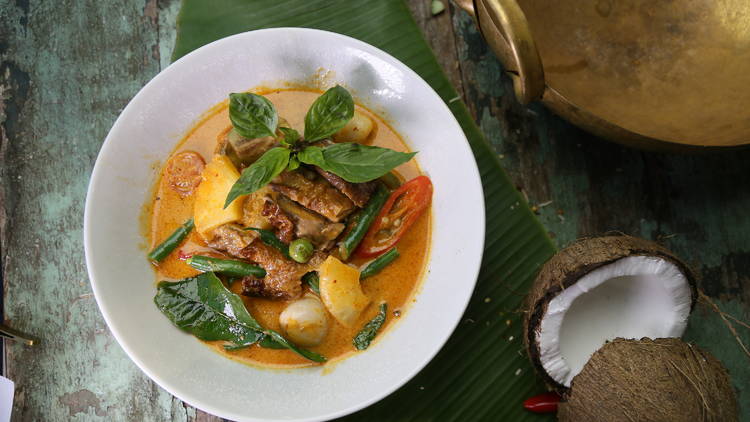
13,334
511,29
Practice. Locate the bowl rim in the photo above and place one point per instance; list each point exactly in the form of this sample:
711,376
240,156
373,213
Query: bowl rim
474,264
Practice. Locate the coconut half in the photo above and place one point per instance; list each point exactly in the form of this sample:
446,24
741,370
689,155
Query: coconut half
650,380
599,289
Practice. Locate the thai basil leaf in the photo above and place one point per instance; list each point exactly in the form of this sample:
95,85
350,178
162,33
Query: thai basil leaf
328,114
252,115
293,163
291,136
260,173
313,280
270,239
354,162
203,307
364,338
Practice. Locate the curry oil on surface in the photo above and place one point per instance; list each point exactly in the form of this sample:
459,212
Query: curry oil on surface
395,285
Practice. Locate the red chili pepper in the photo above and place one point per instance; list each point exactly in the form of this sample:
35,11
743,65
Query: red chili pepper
399,212
183,256
543,403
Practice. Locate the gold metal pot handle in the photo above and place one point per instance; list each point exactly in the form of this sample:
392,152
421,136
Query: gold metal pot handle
467,6
507,16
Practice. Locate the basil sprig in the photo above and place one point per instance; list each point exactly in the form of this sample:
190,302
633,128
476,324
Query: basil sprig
260,173
202,306
290,136
352,162
254,116
328,114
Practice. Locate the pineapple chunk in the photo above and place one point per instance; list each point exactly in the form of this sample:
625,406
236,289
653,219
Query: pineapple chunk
340,290
217,179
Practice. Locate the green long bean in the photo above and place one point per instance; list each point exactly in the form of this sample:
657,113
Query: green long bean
166,247
370,330
379,263
228,267
313,280
362,221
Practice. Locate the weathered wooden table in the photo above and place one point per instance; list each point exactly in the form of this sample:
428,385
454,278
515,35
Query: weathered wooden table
67,69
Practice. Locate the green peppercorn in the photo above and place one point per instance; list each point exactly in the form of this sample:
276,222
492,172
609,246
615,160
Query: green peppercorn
301,250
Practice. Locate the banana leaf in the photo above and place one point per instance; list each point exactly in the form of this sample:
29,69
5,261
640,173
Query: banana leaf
482,373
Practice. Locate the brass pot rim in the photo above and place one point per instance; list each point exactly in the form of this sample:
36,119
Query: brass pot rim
688,122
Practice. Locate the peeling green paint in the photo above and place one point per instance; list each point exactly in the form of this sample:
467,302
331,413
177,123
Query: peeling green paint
68,68
491,128
488,73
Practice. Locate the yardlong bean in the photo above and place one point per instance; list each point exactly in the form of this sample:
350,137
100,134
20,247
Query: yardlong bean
166,247
379,263
228,267
362,222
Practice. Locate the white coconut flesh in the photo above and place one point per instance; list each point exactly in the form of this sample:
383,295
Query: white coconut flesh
633,297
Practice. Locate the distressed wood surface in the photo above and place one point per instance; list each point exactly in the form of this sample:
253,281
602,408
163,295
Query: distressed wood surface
68,68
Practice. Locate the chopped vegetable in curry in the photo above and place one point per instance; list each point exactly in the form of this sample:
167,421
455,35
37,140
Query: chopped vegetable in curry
268,210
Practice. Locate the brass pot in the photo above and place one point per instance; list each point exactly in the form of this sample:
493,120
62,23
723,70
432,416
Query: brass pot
655,74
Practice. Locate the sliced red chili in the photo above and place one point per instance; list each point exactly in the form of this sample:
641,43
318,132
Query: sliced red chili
399,212
543,403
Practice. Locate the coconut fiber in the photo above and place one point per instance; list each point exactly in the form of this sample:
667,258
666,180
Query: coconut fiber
663,380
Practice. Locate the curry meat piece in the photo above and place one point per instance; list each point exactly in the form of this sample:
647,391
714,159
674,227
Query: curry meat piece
252,209
243,151
310,225
359,193
280,220
231,238
283,276
313,192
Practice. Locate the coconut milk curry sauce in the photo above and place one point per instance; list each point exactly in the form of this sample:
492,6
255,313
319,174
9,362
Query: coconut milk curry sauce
174,202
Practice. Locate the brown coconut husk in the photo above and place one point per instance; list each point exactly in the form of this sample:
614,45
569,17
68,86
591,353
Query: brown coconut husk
648,380
570,264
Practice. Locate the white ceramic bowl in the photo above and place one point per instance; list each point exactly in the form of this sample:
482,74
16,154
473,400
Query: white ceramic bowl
149,128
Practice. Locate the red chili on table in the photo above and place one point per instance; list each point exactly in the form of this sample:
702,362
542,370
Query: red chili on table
543,403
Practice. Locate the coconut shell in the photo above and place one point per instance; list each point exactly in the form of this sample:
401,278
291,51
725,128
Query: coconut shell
647,380
575,261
